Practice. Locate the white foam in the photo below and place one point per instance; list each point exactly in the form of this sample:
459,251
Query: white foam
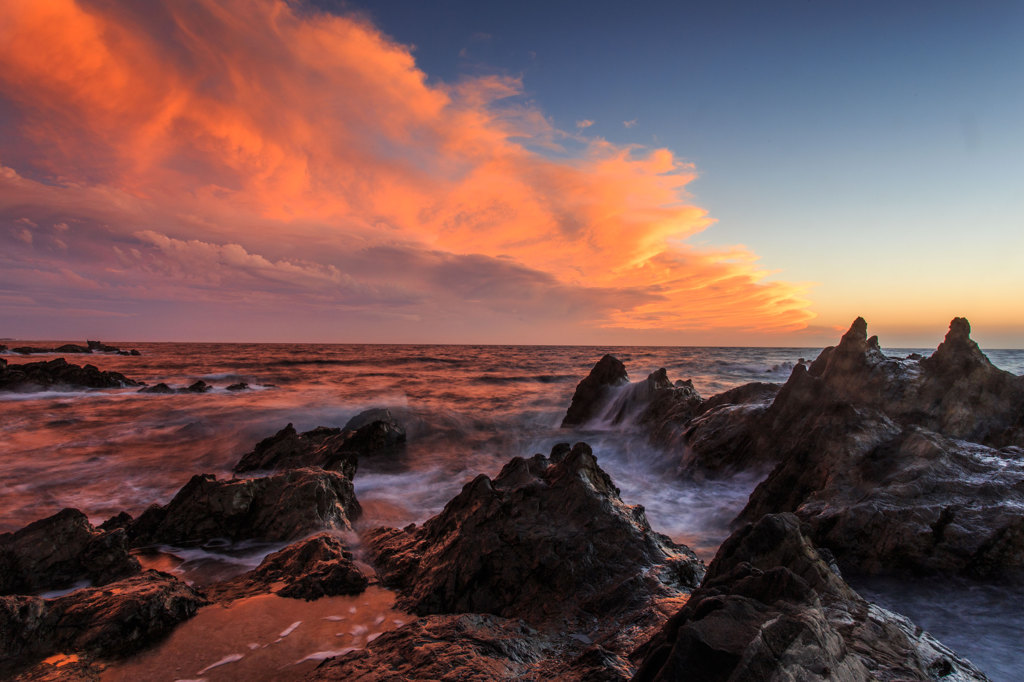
224,661
291,628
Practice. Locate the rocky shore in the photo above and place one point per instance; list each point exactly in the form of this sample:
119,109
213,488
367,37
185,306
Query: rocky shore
871,465
70,348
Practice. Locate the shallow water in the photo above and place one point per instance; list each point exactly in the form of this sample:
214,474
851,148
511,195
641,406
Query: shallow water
467,409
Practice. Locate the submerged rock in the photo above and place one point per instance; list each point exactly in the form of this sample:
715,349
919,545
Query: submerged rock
61,550
771,607
546,540
58,375
110,621
158,388
369,433
281,507
319,566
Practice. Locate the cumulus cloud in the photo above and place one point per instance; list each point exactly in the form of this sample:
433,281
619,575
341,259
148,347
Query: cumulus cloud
258,151
585,123
630,123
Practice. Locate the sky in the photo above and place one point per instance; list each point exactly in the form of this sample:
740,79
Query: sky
401,171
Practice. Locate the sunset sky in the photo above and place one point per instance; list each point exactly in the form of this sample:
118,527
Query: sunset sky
470,172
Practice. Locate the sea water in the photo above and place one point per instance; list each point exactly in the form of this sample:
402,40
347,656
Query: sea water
467,410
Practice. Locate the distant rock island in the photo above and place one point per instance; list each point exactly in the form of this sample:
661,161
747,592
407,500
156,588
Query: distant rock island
70,349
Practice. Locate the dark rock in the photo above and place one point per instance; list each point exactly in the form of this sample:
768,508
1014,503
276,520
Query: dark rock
134,352
770,608
874,457
281,507
199,387
72,348
110,621
240,386
61,550
543,541
58,375
157,388
316,567
370,433
592,393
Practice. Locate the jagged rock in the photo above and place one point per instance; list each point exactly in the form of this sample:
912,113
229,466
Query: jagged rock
118,520
58,375
109,621
862,465
240,386
281,507
59,551
369,433
316,567
477,648
545,540
771,608
592,393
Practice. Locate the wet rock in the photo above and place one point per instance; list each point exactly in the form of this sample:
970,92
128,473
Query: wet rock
111,621
240,386
59,375
199,387
592,393
770,607
370,433
316,567
874,457
280,507
61,550
543,541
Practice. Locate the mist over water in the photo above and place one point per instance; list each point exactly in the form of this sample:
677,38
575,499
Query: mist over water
467,410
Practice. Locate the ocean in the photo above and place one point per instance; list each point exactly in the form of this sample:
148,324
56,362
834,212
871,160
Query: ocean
467,410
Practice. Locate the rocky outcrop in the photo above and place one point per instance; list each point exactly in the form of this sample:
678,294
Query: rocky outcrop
319,566
547,539
195,387
59,551
281,507
592,393
58,375
607,398
873,457
771,607
369,433
109,621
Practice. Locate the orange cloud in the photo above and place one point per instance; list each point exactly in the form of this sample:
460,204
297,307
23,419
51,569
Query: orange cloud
279,143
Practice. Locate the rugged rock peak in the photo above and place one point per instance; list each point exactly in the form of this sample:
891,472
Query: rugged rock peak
958,352
771,608
856,337
280,507
592,393
61,550
776,540
544,540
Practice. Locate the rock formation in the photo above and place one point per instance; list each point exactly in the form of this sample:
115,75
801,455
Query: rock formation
874,457
109,621
771,608
61,550
58,375
369,433
282,507
71,348
547,539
